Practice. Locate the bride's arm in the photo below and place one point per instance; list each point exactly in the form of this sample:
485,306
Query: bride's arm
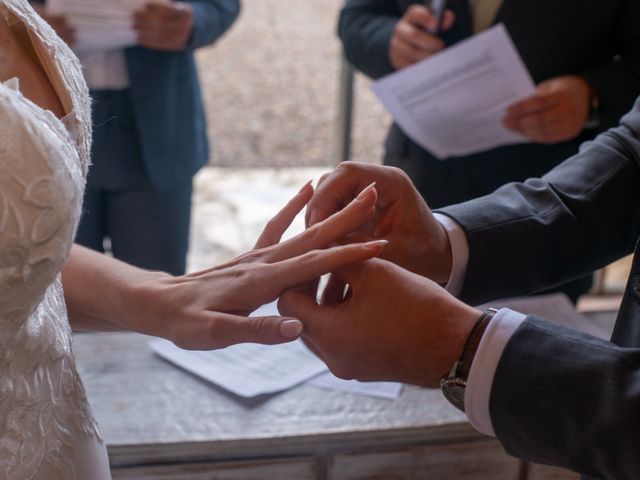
208,309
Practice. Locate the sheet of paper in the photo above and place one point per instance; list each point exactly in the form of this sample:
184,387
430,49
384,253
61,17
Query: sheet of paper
453,103
248,369
388,390
555,307
100,24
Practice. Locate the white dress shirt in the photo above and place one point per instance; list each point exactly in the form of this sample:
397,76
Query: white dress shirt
104,69
493,342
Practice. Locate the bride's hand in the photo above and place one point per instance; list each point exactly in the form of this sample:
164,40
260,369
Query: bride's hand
208,309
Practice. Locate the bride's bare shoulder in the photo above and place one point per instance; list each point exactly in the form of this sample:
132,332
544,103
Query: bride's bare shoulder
18,59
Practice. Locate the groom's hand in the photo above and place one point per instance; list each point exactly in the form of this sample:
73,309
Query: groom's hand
392,325
417,241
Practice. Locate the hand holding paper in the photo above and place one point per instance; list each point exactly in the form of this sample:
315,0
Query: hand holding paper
99,25
453,103
164,26
557,111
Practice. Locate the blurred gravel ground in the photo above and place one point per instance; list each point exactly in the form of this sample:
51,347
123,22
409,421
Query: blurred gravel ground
231,207
271,85
270,88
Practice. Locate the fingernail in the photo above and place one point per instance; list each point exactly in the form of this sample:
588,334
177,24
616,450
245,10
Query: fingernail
366,191
376,245
305,186
291,328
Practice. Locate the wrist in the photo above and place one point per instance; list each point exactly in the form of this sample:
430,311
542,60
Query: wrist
454,383
139,296
466,319
446,341
444,246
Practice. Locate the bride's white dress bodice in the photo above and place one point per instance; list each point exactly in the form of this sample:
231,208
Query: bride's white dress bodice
47,431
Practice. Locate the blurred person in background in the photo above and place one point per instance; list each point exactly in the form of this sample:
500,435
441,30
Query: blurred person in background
584,56
150,135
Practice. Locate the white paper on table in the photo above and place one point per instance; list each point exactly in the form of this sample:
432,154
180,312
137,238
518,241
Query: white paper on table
388,390
100,24
453,103
555,307
247,369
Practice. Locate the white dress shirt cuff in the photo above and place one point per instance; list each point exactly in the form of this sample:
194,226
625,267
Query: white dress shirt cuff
484,366
459,253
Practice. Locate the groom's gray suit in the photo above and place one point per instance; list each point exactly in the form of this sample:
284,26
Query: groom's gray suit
559,397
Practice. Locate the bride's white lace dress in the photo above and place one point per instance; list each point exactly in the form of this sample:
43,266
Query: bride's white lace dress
47,431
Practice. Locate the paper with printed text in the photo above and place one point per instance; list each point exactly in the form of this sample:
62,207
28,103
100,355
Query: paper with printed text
453,103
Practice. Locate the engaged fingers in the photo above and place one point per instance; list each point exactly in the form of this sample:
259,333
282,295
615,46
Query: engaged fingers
337,189
276,227
314,264
333,229
299,305
313,316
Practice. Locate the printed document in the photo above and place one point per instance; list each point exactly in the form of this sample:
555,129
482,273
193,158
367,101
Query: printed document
100,24
386,390
247,369
453,103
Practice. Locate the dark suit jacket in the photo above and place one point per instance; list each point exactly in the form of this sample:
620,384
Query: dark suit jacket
560,397
167,102
599,40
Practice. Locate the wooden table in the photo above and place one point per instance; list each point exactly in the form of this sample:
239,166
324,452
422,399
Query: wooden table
163,423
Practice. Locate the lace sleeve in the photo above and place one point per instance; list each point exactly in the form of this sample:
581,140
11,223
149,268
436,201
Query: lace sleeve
39,202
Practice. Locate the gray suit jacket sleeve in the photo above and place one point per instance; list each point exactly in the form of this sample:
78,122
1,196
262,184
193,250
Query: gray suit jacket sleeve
558,396
567,399
583,214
